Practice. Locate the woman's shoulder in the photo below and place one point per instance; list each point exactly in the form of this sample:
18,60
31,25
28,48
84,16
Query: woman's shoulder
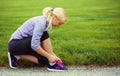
39,17
36,19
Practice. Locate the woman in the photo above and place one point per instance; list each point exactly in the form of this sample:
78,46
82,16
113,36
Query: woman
31,40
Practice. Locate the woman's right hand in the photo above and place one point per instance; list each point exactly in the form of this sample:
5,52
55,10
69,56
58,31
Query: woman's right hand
52,59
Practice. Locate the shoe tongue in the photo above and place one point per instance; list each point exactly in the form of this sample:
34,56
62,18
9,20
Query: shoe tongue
52,63
59,63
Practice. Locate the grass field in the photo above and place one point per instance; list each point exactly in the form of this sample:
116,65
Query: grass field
91,35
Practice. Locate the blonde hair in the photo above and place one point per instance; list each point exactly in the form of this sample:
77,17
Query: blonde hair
59,12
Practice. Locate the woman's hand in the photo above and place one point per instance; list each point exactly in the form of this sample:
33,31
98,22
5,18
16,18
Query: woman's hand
54,58
58,59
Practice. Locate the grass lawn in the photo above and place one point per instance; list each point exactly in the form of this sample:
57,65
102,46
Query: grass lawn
91,35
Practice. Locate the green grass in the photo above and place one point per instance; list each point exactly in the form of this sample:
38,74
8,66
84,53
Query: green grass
91,35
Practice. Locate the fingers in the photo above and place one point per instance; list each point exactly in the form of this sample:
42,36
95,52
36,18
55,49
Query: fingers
54,59
59,59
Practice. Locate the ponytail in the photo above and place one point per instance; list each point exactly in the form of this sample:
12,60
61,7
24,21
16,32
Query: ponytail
47,12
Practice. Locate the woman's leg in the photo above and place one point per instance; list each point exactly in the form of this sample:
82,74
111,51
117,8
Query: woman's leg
23,50
34,57
30,58
46,44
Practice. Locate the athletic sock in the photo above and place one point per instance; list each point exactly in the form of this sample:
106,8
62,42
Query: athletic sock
17,57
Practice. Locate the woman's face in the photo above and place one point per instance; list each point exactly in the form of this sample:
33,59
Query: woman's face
56,21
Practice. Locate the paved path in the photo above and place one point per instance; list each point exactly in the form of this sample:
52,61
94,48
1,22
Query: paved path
73,71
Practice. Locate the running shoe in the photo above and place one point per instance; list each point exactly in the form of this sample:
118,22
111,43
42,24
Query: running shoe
58,66
12,61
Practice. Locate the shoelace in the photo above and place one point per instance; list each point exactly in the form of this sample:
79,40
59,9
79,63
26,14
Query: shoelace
59,63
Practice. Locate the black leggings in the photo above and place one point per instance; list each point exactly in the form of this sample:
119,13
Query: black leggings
23,47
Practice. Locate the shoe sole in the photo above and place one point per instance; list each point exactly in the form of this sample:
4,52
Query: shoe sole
10,64
55,70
